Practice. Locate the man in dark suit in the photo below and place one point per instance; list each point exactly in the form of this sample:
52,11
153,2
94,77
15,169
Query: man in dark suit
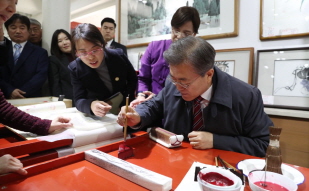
108,27
26,67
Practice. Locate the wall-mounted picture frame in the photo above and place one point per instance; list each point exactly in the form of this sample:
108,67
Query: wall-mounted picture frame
237,62
226,66
282,75
144,21
283,19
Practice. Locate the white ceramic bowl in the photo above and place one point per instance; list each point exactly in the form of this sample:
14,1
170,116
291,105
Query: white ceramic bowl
205,186
271,177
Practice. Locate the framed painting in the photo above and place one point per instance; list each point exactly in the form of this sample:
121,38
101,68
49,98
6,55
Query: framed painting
143,21
283,19
236,62
226,66
283,77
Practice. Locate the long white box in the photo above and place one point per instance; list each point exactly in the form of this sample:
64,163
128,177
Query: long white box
141,176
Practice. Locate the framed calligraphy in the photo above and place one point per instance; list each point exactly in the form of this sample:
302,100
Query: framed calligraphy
283,19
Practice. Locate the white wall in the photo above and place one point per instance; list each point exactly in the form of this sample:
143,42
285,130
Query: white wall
93,13
249,26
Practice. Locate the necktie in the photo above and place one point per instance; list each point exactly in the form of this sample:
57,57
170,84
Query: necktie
197,113
17,52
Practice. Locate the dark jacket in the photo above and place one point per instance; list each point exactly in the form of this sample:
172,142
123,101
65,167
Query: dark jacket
115,45
87,85
4,52
59,77
29,74
235,115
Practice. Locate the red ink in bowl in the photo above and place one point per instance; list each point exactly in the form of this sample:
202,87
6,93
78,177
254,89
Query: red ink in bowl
216,179
274,181
270,186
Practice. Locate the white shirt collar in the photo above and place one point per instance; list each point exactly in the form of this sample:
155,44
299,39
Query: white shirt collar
108,44
22,45
207,95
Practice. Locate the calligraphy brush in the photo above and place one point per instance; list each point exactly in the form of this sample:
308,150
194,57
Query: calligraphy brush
126,120
124,150
216,160
231,168
221,162
229,165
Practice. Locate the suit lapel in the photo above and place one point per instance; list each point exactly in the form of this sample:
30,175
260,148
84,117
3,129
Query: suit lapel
113,45
23,56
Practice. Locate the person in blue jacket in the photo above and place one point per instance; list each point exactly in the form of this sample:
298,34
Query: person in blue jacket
232,111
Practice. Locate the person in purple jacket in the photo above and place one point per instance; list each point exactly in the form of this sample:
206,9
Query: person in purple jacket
154,69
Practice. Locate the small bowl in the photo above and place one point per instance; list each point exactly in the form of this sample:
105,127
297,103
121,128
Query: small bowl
271,177
205,186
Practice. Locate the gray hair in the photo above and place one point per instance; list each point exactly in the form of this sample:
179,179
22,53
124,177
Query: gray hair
35,22
193,51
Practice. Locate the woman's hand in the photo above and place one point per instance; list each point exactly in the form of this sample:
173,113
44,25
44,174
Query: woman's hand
11,164
100,108
141,97
138,100
59,123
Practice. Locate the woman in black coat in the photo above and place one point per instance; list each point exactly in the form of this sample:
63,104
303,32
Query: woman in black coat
58,72
98,74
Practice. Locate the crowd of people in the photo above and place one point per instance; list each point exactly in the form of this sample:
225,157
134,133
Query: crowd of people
27,71
9,115
178,87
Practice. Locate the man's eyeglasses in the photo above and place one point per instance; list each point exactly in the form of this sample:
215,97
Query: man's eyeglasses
92,52
186,86
181,34
34,30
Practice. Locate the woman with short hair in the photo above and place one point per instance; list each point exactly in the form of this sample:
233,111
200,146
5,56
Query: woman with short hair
98,73
154,69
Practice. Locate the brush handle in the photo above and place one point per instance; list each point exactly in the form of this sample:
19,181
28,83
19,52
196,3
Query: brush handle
126,121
